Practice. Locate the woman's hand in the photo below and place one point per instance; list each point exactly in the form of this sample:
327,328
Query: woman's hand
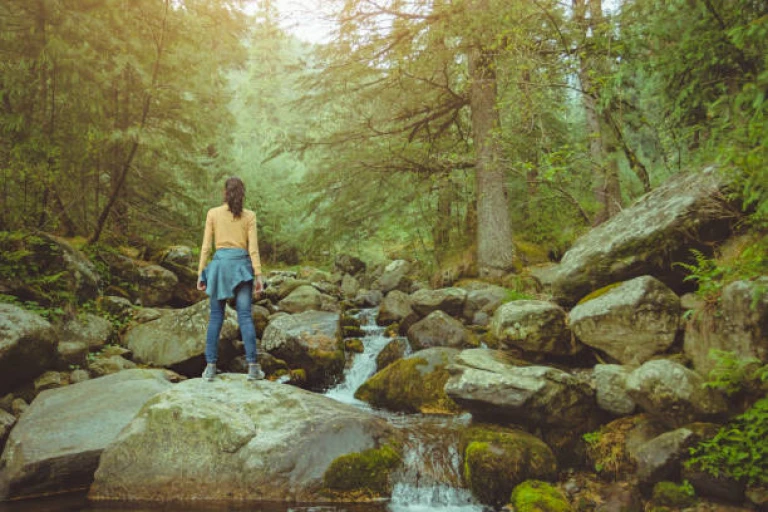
258,287
201,285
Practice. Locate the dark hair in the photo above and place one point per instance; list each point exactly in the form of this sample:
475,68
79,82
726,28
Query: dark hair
234,190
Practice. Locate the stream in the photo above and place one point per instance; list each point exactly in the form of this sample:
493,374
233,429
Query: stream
430,480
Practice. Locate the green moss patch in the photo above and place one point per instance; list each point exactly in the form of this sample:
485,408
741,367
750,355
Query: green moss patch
600,292
362,474
538,496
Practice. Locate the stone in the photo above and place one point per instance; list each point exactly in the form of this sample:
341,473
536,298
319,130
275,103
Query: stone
348,264
260,316
231,440
93,330
393,351
56,444
532,325
107,365
739,324
661,458
413,384
396,308
308,341
27,346
80,273
7,421
18,407
179,255
176,340
647,238
449,300
674,394
484,300
303,298
120,307
495,388
394,277
349,286
438,330
50,380
611,389
156,285
78,376
538,495
368,298
72,354
631,322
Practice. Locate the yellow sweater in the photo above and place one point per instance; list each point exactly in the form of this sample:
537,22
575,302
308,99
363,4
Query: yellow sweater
230,233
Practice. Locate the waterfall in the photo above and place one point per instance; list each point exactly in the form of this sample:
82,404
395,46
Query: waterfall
430,479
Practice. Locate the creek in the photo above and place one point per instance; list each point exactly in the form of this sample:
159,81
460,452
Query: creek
429,481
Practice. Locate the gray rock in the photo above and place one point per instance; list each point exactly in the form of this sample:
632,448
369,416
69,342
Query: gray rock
114,305
176,340
661,458
78,376
179,255
348,264
50,380
533,325
485,300
674,394
611,389
308,341
233,440
394,277
646,238
156,285
739,324
396,308
631,322
90,329
107,365
27,346
281,286
393,351
493,387
368,298
349,286
303,298
56,444
7,421
71,354
448,300
144,315
438,330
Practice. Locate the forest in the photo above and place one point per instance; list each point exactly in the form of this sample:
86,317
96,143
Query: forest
456,133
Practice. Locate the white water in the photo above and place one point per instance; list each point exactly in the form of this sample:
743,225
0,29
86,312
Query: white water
430,480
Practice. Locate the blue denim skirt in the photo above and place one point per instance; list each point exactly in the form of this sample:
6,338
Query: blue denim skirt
228,269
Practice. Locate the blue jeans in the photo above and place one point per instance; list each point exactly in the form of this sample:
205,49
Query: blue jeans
244,320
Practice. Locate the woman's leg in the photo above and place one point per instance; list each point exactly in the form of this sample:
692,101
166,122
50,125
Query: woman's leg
214,329
245,320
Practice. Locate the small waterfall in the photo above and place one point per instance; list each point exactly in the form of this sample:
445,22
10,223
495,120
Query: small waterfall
430,479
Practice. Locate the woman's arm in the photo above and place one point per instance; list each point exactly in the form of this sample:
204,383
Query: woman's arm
205,250
253,250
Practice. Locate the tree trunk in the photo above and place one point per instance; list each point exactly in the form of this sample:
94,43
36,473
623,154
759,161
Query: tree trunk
495,252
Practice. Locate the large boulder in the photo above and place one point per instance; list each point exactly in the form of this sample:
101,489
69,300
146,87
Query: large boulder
739,324
56,445
27,346
185,293
92,330
178,255
647,238
349,286
308,341
493,387
395,308
662,457
176,340
234,440
611,389
156,285
413,384
631,322
533,325
448,300
280,286
673,394
483,300
303,298
394,277
438,330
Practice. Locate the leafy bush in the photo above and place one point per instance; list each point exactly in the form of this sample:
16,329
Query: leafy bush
738,450
733,374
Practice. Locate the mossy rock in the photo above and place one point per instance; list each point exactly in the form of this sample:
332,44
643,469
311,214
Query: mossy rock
607,448
363,474
393,351
538,496
350,326
599,292
496,460
670,494
415,384
354,345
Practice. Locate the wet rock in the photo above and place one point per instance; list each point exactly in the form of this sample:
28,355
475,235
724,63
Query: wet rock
449,300
56,444
492,386
233,440
27,346
532,325
611,389
674,394
438,330
308,341
739,324
156,285
647,238
393,351
394,277
630,322
413,384
176,340
90,329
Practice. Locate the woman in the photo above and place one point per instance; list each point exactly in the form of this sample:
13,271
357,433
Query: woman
235,271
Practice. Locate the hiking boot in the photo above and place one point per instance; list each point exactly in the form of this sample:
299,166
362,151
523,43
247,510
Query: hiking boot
254,372
210,372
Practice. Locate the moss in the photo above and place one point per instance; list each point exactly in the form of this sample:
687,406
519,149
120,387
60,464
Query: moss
606,448
392,330
354,345
537,496
408,385
497,459
670,494
599,292
530,253
365,473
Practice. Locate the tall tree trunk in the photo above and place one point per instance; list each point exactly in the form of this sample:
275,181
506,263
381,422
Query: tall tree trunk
495,251
442,229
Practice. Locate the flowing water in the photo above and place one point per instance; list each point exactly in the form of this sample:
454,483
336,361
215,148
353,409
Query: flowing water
429,481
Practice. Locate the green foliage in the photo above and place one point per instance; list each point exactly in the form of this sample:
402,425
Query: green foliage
733,374
538,496
738,450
